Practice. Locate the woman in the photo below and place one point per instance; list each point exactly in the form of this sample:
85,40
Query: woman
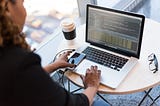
23,81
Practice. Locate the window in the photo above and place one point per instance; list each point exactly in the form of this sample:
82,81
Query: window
44,16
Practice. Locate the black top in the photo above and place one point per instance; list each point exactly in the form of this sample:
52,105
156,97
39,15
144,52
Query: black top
23,82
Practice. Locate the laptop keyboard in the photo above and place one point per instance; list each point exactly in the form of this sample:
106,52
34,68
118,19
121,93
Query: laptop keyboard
104,58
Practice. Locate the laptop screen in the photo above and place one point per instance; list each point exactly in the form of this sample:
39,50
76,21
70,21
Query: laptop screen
115,30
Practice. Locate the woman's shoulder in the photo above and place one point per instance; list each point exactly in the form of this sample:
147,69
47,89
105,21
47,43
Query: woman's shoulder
15,60
17,55
15,51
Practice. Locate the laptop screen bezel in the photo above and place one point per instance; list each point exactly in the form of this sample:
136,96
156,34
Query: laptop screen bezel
126,53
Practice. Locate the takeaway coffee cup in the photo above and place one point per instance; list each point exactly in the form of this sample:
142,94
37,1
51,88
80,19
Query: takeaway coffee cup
68,29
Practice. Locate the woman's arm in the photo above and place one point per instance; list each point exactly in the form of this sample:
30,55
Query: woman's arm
90,92
91,82
35,88
91,79
60,62
51,67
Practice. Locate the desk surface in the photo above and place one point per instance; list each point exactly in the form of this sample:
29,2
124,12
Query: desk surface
139,79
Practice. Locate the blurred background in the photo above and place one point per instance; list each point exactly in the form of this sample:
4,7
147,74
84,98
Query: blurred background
44,16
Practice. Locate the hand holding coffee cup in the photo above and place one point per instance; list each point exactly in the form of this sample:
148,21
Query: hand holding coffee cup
68,29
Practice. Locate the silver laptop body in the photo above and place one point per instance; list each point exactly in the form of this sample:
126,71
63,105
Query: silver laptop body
115,32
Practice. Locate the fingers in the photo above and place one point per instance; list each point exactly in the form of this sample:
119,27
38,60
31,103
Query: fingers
94,69
99,73
66,53
71,65
88,70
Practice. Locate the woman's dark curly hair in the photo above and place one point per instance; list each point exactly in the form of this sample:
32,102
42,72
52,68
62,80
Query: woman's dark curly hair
10,34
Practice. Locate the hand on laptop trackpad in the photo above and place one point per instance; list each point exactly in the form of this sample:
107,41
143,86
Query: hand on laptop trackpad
85,64
106,73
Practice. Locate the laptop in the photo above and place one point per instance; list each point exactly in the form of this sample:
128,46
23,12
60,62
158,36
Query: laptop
113,43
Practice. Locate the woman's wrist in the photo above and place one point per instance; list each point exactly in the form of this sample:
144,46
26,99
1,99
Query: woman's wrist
55,65
93,85
51,67
93,88
90,92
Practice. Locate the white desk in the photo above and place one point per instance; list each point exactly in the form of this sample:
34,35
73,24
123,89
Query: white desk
139,79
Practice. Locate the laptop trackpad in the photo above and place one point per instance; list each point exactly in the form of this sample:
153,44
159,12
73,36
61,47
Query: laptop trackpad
109,76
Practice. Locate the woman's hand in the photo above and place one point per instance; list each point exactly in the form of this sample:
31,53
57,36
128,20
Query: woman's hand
60,62
92,77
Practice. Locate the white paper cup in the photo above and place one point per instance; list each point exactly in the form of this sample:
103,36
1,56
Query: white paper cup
68,29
